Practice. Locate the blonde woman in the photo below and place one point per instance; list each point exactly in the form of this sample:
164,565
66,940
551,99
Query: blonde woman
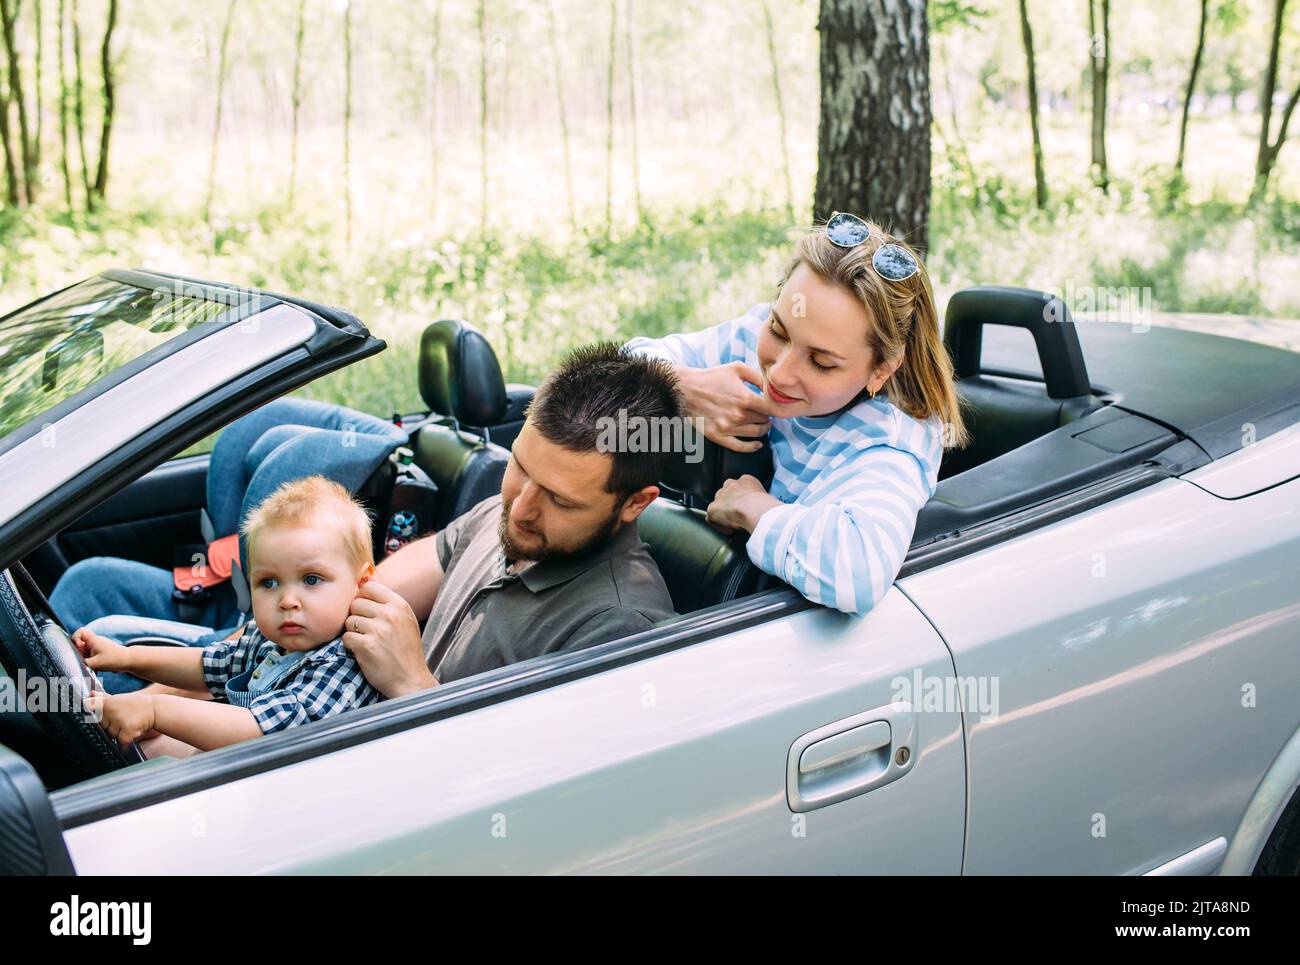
847,376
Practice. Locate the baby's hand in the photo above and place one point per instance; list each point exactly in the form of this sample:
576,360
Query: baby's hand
125,716
101,653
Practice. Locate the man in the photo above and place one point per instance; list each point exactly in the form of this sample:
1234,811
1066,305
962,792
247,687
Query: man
553,563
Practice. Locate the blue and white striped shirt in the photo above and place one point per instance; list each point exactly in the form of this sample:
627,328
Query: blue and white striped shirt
852,483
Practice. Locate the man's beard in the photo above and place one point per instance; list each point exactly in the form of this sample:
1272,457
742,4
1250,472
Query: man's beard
514,551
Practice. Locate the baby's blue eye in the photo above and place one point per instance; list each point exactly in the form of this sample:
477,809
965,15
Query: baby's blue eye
267,583
311,579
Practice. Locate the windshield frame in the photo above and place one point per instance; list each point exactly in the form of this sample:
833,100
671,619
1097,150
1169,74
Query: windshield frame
250,303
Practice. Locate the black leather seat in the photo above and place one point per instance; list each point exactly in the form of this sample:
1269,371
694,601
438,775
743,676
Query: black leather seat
1006,409
461,379
700,565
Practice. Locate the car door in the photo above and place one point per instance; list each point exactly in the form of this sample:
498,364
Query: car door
1144,658
769,736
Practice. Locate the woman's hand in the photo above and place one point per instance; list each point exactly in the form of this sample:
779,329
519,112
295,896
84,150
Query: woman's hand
733,415
101,653
739,504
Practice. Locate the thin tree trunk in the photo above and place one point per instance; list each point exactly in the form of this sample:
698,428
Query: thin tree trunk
435,96
609,121
296,98
347,121
873,154
216,121
564,114
482,118
629,32
1191,88
106,130
780,107
40,56
1268,152
79,114
6,141
1040,178
1099,60
9,14
63,109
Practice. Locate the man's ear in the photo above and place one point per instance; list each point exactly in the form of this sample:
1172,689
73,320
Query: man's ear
635,504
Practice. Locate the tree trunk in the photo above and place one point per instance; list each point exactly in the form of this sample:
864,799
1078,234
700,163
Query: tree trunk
1099,60
1040,179
564,114
482,118
1191,88
8,15
63,108
347,122
609,121
78,110
435,96
780,107
873,146
295,97
6,142
106,130
38,105
629,31
1268,152
216,121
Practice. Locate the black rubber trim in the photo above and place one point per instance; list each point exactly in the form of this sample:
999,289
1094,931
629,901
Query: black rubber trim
946,548
77,806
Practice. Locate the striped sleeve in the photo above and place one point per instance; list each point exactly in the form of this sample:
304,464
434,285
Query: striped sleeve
732,341
842,543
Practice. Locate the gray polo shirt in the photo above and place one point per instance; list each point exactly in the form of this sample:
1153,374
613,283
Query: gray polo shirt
485,618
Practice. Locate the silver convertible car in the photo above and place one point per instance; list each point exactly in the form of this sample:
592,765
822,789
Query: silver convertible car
1090,662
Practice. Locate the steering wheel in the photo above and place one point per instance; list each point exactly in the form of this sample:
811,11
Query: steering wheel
34,645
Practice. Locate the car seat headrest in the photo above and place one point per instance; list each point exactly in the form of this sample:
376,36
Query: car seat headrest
700,478
459,374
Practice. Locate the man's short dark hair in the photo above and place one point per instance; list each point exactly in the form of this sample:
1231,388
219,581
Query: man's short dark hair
593,387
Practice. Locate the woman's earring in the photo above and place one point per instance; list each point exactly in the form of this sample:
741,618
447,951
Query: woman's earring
870,393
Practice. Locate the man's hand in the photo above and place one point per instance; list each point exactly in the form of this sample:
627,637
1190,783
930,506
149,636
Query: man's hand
125,716
739,504
383,634
733,416
101,653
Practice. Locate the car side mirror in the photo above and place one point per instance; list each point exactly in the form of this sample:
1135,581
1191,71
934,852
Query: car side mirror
33,840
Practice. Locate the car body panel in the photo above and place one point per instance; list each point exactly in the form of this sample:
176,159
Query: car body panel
1146,657
675,763
1253,469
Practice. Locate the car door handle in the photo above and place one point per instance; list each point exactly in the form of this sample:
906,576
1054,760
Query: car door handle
850,757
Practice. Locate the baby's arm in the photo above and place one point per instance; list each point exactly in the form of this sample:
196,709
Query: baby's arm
179,667
204,724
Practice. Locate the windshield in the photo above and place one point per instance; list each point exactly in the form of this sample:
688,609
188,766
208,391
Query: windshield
59,346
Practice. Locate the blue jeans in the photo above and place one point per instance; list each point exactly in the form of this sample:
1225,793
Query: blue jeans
124,628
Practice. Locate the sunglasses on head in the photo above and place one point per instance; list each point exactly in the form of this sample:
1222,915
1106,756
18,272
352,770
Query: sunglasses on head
892,262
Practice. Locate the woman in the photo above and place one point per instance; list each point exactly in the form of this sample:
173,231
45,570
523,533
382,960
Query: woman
854,388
